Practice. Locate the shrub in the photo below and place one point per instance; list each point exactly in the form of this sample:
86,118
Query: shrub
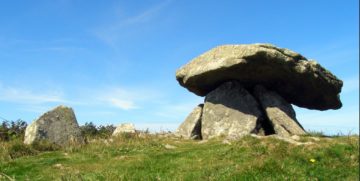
106,131
10,130
90,130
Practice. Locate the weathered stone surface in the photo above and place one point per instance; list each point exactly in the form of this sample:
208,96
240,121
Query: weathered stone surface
280,113
231,111
299,81
191,127
58,126
124,128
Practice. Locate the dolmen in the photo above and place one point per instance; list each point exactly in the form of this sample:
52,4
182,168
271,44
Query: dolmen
57,126
250,89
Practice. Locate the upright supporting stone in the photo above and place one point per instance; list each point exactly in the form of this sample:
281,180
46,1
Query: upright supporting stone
191,127
279,112
231,111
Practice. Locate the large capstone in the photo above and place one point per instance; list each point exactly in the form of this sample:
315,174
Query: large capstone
279,113
230,111
299,81
58,126
191,127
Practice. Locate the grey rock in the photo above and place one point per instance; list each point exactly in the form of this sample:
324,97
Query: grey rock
295,137
279,112
230,111
58,126
299,81
202,141
226,142
124,128
315,138
191,127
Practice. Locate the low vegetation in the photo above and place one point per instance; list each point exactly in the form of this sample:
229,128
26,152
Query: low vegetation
10,130
143,156
90,130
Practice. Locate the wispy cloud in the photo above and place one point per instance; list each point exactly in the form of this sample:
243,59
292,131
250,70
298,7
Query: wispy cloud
112,33
146,15
17,95
122,104
126,98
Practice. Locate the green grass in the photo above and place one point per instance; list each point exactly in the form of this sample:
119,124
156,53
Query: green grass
135,158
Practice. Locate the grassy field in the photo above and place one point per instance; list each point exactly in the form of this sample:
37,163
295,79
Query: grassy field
131,157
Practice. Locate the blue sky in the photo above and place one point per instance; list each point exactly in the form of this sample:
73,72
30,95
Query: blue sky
115,61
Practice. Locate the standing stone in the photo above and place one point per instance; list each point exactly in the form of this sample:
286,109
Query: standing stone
231,111
279,112
191,127
58,126
124,128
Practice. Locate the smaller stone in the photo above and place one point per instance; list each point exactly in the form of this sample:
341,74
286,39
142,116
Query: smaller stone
315,139
122,157
106,142
124,128
295,137
226,142
170,147
191,127
257,136
279,112
202,141
58,166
